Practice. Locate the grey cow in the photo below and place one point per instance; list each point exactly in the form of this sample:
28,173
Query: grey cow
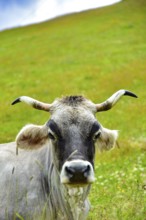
48,171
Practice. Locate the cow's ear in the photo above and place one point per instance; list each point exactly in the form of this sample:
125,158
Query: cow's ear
107,139
32,137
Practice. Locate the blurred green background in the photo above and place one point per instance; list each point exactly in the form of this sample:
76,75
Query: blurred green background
93,53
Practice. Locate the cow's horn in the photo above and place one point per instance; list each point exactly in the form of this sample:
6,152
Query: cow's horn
34,103
110,102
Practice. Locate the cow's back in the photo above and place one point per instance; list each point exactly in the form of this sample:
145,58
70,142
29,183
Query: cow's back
22,181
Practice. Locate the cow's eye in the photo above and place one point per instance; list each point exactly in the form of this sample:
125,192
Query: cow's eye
96,135
51,135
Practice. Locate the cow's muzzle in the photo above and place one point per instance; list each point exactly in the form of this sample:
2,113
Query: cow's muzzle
77,172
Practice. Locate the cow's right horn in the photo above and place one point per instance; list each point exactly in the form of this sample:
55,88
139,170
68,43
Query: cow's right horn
34,103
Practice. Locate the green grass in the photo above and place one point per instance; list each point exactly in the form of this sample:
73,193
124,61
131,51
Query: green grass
120,189
93,53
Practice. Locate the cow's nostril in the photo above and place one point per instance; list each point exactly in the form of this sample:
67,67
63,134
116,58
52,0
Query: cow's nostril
86,168
69,170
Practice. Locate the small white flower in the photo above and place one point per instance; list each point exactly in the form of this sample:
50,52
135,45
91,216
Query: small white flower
135,169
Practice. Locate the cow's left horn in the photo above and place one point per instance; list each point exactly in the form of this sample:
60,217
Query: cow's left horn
110,102
34,103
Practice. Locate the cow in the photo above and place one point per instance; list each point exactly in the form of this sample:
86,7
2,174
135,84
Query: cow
47,173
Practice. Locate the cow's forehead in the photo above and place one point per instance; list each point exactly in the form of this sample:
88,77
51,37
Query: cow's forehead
72,108
72,115
72,104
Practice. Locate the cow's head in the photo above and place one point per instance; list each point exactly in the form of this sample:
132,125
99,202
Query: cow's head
73,131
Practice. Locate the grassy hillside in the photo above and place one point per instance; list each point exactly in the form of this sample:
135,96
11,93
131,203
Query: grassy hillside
93,53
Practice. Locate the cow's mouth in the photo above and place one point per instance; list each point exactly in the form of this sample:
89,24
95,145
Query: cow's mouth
77,185
70,183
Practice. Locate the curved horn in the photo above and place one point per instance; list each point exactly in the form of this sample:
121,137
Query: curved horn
32,102
110,102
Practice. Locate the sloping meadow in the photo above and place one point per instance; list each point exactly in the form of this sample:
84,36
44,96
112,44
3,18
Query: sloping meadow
93,53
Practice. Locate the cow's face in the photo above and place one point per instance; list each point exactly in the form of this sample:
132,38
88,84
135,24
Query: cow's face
74,131
73,140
